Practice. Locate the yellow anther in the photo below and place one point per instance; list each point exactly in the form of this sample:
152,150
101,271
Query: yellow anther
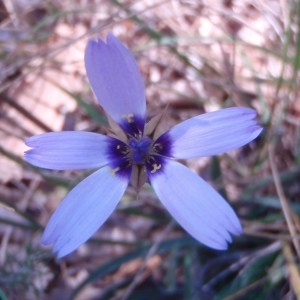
129,118
156,167
114,171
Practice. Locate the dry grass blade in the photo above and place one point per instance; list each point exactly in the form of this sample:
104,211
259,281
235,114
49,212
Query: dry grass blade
293,269
126,294
287,211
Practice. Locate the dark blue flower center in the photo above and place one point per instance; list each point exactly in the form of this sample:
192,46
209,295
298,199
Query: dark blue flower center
139,149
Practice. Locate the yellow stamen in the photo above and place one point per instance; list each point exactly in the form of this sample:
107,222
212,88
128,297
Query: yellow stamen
114,171
156,167
129,118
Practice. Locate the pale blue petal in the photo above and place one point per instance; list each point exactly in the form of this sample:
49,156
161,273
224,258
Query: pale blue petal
116,80
84,210
212,133
195,205
68,150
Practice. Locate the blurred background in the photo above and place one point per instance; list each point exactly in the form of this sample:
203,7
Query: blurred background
195,56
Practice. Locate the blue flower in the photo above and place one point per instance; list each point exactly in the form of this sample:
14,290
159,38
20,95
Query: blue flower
119,88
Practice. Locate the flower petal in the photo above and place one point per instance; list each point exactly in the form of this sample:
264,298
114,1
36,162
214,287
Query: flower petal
84,210
68,150
116,80
212,133
195,205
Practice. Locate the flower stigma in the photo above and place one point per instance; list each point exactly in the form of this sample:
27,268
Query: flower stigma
139,149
